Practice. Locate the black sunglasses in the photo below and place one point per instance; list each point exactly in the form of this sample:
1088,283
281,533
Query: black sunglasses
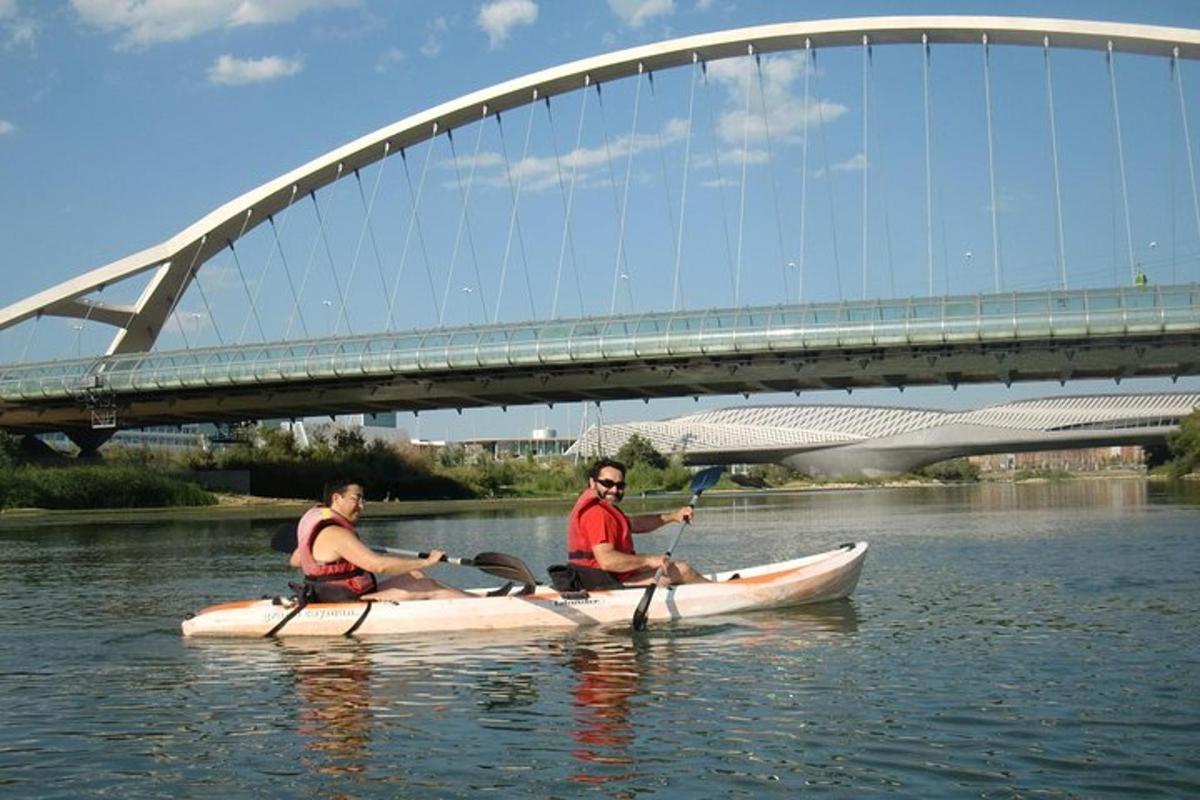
608,484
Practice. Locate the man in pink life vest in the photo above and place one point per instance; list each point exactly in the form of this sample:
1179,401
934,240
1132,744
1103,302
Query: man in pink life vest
339,566
600,534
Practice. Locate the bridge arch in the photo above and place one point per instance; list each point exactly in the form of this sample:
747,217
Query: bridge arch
176,260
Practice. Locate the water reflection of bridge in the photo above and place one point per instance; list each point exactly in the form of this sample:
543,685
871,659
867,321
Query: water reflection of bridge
874,441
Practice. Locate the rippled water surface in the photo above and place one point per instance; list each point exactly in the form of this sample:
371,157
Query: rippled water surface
1028,641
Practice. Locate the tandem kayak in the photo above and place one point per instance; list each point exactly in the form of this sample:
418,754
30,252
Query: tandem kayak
818,578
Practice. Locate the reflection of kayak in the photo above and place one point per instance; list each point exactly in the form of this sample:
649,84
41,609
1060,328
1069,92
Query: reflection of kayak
826,576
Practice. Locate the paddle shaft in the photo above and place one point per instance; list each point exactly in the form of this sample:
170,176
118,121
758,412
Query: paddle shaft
463,562
639,616
498,564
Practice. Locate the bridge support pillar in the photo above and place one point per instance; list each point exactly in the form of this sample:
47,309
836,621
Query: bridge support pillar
89,440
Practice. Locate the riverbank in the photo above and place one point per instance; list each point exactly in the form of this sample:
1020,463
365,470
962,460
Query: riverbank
268,509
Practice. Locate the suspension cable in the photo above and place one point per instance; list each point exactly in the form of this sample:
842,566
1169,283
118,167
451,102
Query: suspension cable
808,69
514,220
189,276
1112,82
774,187
987,92
245,286
568,198
712,127
837,263
37,318
737,294
414,223
308,265
465,193
687,153
520,184
286,270
271,257
337,283
1058,215
621,255
612,182
928,161
1187,139
367,227
881,158
662,165
866,99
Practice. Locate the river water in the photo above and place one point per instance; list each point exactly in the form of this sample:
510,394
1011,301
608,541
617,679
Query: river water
1005,641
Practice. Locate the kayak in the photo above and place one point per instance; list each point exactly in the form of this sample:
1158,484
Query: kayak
832,575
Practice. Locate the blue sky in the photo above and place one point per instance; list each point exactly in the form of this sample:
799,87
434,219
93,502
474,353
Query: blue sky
123,121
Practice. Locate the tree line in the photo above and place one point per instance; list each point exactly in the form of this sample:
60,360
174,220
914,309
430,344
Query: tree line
278,467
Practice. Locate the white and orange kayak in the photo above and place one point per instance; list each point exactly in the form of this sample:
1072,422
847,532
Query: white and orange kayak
832,575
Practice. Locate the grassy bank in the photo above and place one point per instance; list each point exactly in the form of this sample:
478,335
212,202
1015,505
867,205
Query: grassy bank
95,486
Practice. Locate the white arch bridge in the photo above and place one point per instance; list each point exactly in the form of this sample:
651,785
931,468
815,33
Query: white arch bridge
680,245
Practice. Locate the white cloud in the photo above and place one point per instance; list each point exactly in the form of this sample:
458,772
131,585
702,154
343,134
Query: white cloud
6,127
16,31
589,165
787,112
434,29
499,17
392,57
856,163
145,22
636,13
705,5
230,71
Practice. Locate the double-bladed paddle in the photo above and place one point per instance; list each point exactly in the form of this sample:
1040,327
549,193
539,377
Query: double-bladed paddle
501,565
704,479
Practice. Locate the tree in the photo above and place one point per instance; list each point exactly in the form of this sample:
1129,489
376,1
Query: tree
638,450
1184,445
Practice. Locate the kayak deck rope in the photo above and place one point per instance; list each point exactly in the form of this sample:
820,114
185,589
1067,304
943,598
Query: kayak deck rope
366,610
301,604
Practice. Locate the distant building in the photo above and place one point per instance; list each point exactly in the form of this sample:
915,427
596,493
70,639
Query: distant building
1086,459
541,443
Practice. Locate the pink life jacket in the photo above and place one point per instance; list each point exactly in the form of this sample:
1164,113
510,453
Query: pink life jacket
339,572
579,544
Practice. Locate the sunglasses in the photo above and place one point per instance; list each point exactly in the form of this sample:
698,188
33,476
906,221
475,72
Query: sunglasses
608,484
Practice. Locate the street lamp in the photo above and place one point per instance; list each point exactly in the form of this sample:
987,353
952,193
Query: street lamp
328,311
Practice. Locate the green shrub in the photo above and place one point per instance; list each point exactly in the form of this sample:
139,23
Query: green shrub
1184,445
956,470
97,486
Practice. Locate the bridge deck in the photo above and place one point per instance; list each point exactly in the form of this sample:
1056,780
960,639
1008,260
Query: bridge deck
1121,332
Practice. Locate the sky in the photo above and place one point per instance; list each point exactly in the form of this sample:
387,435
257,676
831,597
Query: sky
123,121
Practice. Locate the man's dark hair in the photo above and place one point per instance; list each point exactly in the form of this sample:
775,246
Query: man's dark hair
601,463
338,485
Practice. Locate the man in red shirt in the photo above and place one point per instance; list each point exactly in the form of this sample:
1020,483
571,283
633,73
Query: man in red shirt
600,535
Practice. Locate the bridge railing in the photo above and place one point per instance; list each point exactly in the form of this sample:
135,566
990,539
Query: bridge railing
793,329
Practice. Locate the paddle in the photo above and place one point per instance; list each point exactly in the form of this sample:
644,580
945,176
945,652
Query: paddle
501,565
704,479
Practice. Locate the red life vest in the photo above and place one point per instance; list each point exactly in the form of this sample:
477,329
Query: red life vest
579,544
339,572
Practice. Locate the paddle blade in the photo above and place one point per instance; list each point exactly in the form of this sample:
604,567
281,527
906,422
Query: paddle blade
706,479
504,566
643,608
284,539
